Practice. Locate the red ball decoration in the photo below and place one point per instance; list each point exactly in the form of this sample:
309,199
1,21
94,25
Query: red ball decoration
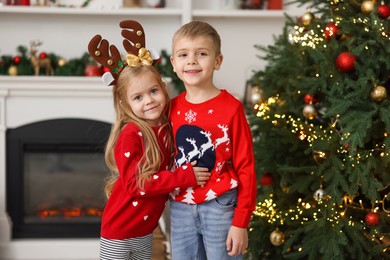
310,99
330,30
266,179
373,218
345,62
105,69
16,60
43,55
384,11
92,70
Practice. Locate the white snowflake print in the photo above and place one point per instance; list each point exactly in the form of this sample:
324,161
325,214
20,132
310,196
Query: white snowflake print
210,111
190,116
178,112
219,167
233,183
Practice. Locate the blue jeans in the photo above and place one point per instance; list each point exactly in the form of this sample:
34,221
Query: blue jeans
199,232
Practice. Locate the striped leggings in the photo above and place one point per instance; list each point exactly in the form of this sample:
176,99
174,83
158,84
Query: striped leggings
139,248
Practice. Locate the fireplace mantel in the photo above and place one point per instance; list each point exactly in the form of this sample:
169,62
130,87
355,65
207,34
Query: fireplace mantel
29,99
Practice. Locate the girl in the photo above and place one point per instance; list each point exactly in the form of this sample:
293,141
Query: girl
138,153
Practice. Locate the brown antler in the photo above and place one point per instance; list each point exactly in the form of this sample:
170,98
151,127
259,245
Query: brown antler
134,36
100,51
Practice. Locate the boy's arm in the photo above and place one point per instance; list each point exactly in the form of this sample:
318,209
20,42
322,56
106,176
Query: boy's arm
244,165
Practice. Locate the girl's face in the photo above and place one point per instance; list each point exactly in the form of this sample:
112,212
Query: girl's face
194,61
146,98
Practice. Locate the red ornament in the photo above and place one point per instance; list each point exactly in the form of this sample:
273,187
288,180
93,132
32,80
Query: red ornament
24,2
42,55
92,70
384,11
345,62
330,30
266,179
16,60
372,218
105,69
310,99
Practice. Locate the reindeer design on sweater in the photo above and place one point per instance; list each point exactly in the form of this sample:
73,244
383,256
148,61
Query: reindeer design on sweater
207,145
193,147
225,138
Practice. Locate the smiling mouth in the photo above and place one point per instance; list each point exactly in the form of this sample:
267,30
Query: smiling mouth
150,109
192,71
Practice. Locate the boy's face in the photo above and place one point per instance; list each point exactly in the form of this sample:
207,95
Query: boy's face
194,61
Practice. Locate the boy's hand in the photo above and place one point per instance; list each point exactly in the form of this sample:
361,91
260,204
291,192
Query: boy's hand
202,174
237,241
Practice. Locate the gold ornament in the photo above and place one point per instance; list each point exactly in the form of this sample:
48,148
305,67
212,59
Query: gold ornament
379,93
13,70
277,237
307,18
254,95
61,62
367,6
309,111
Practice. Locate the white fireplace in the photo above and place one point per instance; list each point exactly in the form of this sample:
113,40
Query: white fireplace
25,100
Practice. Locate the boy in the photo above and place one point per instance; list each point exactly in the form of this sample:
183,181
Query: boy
209,126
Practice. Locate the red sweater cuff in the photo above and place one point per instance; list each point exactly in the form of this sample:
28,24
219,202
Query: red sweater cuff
241,218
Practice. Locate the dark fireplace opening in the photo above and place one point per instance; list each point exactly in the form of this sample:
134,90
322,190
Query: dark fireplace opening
55,177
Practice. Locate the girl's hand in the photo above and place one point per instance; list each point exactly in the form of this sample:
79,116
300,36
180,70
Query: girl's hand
202,174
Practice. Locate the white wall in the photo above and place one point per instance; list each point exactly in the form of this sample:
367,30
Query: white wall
67,35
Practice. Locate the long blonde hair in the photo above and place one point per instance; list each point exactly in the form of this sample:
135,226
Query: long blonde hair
152,157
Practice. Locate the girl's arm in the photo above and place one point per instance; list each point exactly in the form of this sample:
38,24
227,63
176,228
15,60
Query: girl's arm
129,151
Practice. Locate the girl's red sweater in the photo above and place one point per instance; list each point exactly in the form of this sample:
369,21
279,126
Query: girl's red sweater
132,212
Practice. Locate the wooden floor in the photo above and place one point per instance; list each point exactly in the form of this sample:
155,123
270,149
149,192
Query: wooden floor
159,249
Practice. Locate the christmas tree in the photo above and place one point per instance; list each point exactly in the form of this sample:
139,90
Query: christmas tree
321,125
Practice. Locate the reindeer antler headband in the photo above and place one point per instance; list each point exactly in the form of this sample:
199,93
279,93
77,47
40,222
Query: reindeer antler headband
109,56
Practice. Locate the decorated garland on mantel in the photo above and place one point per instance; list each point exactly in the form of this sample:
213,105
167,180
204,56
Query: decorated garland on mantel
28,62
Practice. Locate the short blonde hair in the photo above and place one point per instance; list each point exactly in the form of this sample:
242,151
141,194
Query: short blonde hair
197,29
